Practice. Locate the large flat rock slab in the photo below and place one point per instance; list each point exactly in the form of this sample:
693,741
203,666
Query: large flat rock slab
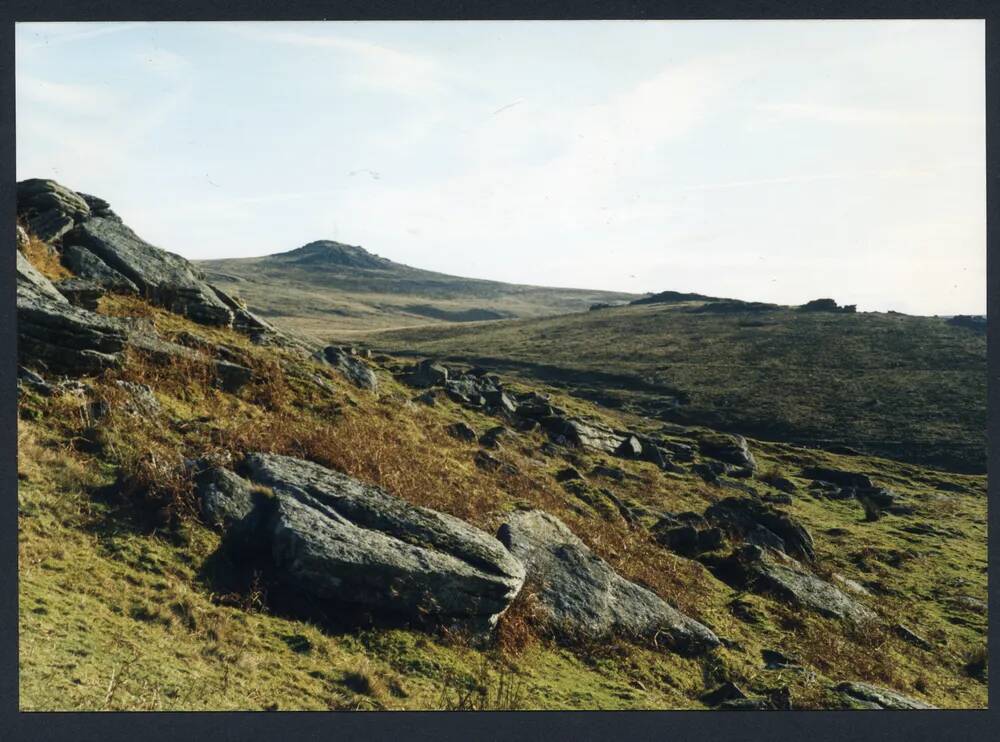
341,540
583,596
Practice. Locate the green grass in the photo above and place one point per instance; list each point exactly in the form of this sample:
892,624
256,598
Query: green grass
318,297
121,608
912,388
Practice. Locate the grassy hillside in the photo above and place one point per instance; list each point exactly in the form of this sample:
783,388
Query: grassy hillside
125,604
325,287
912,388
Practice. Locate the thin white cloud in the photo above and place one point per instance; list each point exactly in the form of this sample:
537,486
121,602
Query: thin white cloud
379,66
842,114
57,34
72,98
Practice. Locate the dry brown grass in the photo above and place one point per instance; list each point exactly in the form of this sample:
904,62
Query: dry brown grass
870,650
519,626
45,259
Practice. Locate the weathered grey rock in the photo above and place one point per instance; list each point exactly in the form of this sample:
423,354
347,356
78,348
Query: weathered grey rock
49,209
85,264
490,463
166,279
870,696
757,523
34,381
245,321
579,433
583,596
62,338
29,277
232,376
225,499
141,400
21,237
732,449
80,292
773,573
492,437
461,431
838,476
338,539
427,373
356,371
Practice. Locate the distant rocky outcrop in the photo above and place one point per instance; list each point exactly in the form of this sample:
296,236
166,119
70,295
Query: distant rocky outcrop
974,322
672,297
827,305
582,595
327,253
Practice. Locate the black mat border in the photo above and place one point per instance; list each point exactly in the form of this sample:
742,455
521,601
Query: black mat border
815,726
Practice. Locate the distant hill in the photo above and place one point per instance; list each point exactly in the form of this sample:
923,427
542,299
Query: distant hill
330,290
911,388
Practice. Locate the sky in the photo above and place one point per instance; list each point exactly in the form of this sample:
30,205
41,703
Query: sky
761,160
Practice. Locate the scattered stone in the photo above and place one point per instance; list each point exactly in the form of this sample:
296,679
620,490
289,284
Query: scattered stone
873,697
582,595
427,373
732,449
34,381
461,431
428,398
141,400
232,377
488,463
356,371
579,433
780,483
775,660
491,438
773,573
568,474
728,691
849,479
610,472
911,637
757,523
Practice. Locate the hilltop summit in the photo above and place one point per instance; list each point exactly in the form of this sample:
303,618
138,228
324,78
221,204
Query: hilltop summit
328,252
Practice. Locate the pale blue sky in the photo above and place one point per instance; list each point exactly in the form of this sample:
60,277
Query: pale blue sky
771,161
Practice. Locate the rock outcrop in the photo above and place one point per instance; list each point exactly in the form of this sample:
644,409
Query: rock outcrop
865,695
346,543
731,449
583,596
760,524
58,336
167,280
356,371
770,572
87,265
